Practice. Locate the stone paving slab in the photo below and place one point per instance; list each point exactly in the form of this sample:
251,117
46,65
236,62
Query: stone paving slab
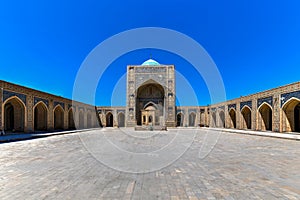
27,136
291,136
238,167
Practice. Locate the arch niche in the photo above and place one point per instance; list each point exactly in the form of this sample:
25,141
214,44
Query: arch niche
14,114
213,119
222,119
246,118
150,103
121,119
180,118
232,114
40,115
58,118
265,117
291,115
71,122
109,120
192,119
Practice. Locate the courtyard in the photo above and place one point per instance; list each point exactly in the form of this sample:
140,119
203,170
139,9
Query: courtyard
177,164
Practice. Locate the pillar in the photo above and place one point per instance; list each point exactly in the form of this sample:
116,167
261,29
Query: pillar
276,113
238,115
254,113
66,117
29,124
50,116
227,117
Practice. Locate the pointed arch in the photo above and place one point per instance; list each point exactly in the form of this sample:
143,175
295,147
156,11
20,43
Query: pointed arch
58,115
232,115
109,119
179,119
121,119
213,122
291,115
71,121
150,103
265,117
14,114
81,119
192,119
150,92
246,121
222,119
40,116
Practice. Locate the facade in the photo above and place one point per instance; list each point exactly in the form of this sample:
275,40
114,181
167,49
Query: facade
151,101
27,110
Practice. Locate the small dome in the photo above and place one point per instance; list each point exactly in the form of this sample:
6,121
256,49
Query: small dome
150,62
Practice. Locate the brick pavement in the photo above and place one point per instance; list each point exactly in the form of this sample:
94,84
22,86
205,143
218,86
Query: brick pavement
239,167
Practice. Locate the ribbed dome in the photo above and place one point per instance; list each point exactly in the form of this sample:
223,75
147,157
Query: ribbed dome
150,62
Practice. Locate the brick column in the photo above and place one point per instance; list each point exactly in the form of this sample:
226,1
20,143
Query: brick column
206,117
28,124
227,117
238,115
50,116
66,118
186,117
254,114
115,118
198,117
276,113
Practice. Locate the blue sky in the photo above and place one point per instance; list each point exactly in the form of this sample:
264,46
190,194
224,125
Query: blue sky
255,44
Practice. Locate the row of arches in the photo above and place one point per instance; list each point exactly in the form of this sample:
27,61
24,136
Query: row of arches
110,122
289,117
14,115
264,118
191,119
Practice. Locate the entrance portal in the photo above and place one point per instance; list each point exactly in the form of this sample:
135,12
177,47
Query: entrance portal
150,104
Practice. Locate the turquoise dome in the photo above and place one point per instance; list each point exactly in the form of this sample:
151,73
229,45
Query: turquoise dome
150,62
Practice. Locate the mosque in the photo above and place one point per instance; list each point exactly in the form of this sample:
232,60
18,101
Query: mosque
150,102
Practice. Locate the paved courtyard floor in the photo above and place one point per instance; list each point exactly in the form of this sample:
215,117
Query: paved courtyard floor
123,164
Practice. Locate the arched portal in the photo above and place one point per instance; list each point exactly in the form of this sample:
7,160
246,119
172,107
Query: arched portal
291,115
121,119
246,118
58,118
222,119
40,117
14,115
192,119
81,119
180,118
71,122
109,120
232,115
150,93
265,119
